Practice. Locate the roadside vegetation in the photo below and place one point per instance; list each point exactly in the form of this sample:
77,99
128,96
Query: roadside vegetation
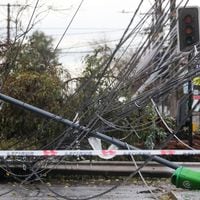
31,72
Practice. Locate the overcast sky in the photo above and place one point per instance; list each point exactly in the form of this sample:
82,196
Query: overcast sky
97,20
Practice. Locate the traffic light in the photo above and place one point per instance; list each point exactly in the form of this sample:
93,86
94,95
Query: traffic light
188,28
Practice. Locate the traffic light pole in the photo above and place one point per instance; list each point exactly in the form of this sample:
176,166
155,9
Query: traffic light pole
188,34
190,101
67,122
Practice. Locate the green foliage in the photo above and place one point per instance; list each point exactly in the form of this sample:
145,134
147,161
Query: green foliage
95,73
35,54
146,129
37,89
34,79
97,83
38,53
154,136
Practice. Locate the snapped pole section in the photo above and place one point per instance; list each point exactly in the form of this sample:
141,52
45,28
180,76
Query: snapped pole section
67,122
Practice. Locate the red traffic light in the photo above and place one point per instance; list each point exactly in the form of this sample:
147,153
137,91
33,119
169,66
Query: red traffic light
187,19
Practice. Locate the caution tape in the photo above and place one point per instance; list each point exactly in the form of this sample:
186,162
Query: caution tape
53,153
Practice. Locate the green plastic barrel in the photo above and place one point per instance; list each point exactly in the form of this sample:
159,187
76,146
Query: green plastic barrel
186,178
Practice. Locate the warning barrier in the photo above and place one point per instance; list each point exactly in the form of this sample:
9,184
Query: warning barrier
53,153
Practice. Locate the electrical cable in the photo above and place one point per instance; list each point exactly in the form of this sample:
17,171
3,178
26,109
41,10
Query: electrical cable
121,110
142,177
72,19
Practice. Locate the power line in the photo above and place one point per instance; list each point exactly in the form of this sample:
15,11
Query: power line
90,33
64,33
75,52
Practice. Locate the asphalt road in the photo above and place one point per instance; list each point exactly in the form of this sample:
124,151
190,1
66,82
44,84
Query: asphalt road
11,191
135,190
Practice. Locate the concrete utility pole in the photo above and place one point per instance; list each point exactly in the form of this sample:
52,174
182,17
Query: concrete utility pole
9,19
158,15
172,14
172,104
172,100
156,19
8,24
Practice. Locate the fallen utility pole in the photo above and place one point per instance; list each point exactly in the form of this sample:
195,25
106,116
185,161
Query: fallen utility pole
182,177
67,122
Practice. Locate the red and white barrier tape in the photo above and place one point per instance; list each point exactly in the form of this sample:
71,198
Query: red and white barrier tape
96,152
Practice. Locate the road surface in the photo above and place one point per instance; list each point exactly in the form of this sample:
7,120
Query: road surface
135,190
81,189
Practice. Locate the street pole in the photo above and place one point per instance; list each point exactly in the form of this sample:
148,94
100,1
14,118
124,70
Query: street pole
8,24
9,19
190,101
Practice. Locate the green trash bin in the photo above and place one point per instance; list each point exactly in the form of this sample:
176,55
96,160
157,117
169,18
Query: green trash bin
186,178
